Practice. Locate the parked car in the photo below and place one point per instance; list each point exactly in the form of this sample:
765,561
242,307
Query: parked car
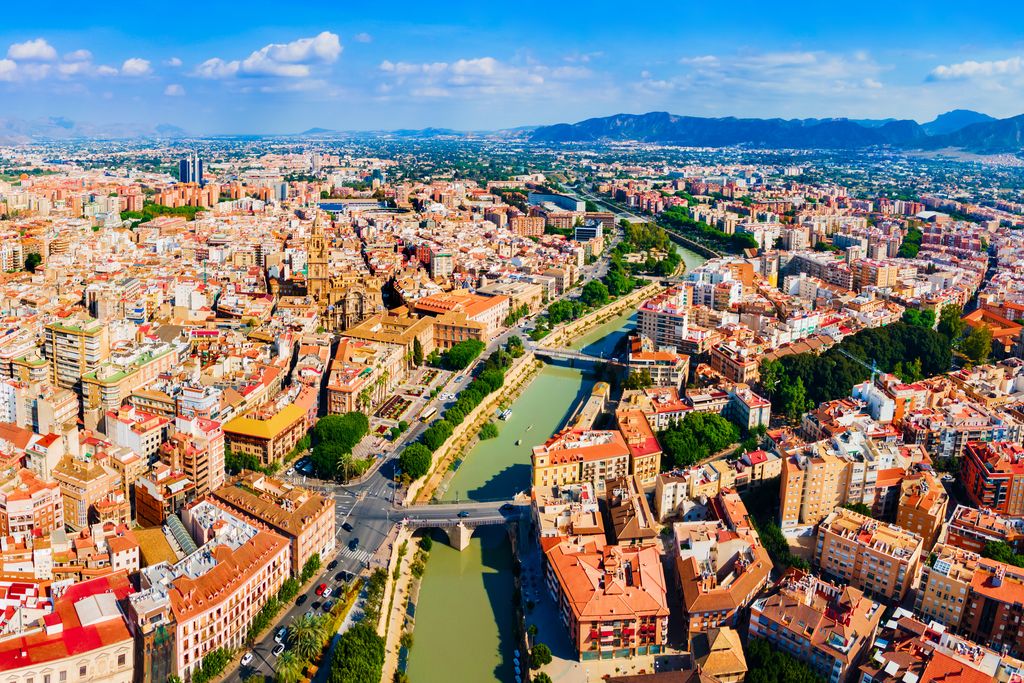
247,659
278,650
291,471
327,592
321,588
459,378
301,599
280,635
327,606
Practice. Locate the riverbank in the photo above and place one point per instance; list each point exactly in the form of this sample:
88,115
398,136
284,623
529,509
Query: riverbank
566,335
516,379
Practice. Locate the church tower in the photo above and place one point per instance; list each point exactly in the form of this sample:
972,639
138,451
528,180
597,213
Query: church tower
317,280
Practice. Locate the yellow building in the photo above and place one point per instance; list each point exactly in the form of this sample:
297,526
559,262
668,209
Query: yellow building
268,435
945,585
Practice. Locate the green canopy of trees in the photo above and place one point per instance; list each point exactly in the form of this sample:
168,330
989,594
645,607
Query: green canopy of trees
32,262
911,243
436,434
1001,551
415,460
832,375
594,294
336,436
459,356
679,218
358,656
913,316
768,664
639,380
696,437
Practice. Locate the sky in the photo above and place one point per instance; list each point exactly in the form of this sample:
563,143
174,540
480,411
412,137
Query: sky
284,67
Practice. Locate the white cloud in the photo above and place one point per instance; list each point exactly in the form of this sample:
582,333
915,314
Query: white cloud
476,77
971,70
106,71
296,59
174,90
173,62
78,56
37,50
362,38
135,66
8,69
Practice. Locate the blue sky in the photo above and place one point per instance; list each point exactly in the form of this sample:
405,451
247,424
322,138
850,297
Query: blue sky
269,67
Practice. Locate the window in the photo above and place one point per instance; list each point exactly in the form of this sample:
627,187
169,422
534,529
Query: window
82,671
121,658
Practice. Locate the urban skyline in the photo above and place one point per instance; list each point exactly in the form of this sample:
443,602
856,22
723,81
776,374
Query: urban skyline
481,68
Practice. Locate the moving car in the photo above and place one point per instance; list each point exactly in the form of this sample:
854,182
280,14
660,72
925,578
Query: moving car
353,544
301,599
246,659
507,507
278,650
463,514
332,564
347,527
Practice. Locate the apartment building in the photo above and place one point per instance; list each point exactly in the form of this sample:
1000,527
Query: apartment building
720,568
665,318
137,430
993,476
644,449
824,475
878,558
196,448
922,506
828,627
943,591
113,380
160,494
81,637
666,368
85,484
269,434
908,649
29,504
631,519
397,328
612,599
747,409
575,456
300,515
972,529
75,346
208,599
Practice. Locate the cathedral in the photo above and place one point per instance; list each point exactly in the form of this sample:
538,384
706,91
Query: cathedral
346,298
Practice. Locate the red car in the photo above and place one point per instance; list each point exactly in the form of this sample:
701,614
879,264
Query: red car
320,588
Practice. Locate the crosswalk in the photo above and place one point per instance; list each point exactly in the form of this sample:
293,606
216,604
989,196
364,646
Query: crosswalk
358,554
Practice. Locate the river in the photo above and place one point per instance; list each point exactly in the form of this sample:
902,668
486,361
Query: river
464,620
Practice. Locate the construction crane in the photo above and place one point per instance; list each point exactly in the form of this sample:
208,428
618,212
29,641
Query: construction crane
873,367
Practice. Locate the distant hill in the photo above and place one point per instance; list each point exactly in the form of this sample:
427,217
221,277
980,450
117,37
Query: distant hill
721,132
987,137
952,121
20,131
961,128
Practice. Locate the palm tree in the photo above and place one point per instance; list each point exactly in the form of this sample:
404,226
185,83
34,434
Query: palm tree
307,636
344,465
288,668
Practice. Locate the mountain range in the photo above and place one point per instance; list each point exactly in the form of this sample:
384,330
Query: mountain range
960,128
15,131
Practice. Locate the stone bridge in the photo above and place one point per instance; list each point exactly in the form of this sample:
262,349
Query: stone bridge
459,521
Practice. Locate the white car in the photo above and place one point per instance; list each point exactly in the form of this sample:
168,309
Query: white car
291,471
326,593
278,650
279,636
246,659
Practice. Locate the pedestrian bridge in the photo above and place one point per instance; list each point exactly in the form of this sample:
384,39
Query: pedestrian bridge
555,354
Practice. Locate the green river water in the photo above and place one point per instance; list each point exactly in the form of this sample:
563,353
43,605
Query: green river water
464,617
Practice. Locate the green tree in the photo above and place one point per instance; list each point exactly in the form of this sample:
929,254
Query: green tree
919,318
794,399
489,430
345,430
310,568
415,460
1001,551
461,355
951,324
594,294
288,667
696,437
541,677
767,664
639,380
859,508
358,656
978,344
417,351
32,262
772,374
436,434
540,656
